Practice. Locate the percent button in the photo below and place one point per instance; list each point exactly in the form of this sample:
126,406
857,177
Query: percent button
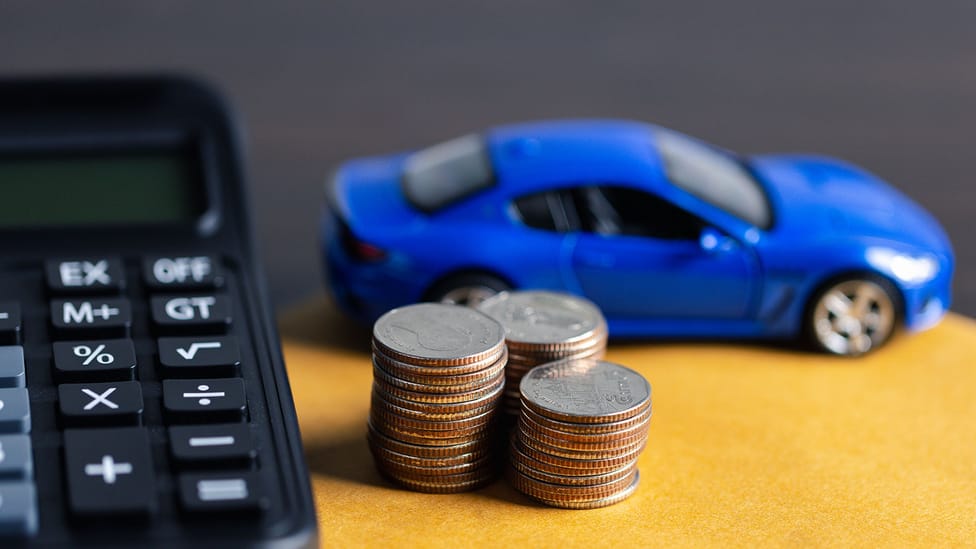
99,360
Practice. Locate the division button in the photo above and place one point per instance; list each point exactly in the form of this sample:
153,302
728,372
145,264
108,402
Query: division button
200,355
14,411
10,323
113,403
18,509
109,471
212,444
204,400
222,492
12,366
107,316
199,272
97,360
85,275
211,313
15,458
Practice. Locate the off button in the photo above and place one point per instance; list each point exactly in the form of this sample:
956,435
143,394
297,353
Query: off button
195,272
191,313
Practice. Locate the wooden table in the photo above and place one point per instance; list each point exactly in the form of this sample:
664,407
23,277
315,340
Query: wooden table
748,445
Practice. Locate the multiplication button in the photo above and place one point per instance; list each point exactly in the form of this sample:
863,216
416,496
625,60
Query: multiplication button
205,400
95,360
85,275
95,317
197,313
113,403
109,471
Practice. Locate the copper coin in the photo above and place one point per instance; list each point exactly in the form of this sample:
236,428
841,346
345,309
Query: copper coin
573,480
579,462
396,367
437,334
432,425
404,469
432,438
440,413
482,377
587,428
598,452
401,394
595,503
528,359
586,439
441,485
588,469
380,374
391,456
441,407
585,391
574,446
468,446
559,492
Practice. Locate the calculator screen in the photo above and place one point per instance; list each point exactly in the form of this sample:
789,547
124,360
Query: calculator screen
110,188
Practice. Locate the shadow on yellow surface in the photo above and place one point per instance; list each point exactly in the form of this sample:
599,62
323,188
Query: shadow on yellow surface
748,445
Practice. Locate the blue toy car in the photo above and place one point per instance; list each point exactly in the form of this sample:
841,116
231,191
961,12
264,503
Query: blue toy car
670,236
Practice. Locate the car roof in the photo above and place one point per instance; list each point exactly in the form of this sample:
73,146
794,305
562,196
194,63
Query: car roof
547,154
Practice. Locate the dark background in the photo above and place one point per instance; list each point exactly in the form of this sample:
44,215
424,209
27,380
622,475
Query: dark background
890,84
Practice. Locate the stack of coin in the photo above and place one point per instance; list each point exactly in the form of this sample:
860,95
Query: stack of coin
543,327
583,424
438,377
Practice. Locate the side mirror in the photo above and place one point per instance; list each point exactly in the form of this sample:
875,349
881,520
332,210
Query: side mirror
714,241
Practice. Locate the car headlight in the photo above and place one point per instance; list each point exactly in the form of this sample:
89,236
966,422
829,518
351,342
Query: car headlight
908,268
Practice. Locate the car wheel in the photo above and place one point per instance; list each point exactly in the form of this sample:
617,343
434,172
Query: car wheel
467,289
853,316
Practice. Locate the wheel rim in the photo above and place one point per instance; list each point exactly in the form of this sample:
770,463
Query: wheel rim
853,317
471,296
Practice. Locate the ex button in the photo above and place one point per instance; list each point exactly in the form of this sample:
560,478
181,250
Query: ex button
88,275
195,313
187,272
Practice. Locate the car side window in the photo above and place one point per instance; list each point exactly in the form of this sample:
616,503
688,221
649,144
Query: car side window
614,210
543,210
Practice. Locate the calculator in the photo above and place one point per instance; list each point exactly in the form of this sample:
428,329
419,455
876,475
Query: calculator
143,397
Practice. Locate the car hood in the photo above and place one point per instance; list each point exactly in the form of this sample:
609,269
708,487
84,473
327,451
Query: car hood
815,195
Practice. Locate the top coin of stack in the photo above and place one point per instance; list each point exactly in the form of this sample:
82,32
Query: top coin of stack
438,376
583,424
543,327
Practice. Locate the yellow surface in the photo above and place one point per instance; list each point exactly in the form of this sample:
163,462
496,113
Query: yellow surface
748,446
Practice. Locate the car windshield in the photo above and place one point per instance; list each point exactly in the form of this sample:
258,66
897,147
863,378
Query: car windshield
714,176
447,172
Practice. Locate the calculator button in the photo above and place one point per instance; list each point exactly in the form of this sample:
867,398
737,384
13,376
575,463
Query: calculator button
204,400
95,360
12,366
222,492
115,403
197,312
15,457
18,509
109,471
201,355
14,411
92,317
199,272
10,322
212,444
85,275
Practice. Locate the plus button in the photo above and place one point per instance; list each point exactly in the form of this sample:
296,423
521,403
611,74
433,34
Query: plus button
108,469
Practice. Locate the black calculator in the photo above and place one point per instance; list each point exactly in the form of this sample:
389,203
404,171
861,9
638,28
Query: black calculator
143,398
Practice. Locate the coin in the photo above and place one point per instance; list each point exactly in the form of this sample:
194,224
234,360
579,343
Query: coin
588,428
436,398
474,448
446,484
582,468
595,503
437,369
537,319
585,391
437,334
569,493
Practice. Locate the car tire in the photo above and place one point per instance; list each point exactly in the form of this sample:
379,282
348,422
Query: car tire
853,315
467,289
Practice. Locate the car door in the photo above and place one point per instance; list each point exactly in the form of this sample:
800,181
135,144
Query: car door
639,256
542,247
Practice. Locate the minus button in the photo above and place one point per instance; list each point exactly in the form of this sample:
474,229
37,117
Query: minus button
212,445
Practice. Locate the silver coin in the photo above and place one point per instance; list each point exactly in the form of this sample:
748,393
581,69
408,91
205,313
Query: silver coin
544,318
438,332
585,389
